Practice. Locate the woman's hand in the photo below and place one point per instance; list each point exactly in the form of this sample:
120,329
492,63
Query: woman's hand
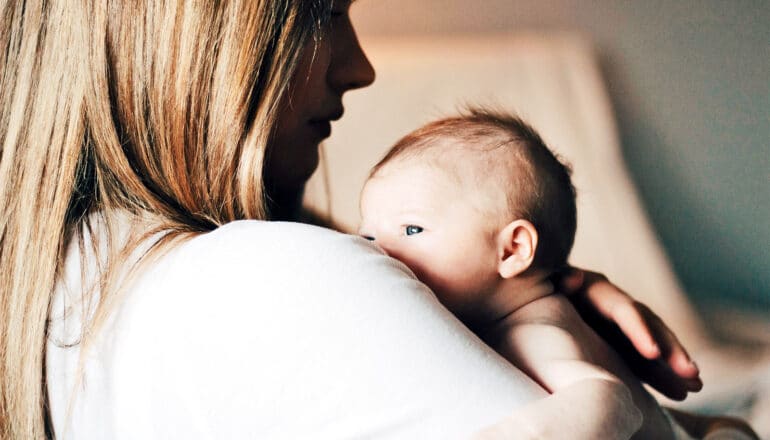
647,345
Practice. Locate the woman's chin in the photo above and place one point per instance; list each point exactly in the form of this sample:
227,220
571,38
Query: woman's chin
285,196
292,171
304,171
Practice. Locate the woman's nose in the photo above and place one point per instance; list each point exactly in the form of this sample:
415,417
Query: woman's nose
350,68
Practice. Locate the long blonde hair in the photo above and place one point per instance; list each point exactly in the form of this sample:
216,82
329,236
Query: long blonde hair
162,109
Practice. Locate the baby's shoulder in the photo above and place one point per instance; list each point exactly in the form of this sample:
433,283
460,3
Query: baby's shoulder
553,310
554,319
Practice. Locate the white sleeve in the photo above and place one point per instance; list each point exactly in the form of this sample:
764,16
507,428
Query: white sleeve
278,330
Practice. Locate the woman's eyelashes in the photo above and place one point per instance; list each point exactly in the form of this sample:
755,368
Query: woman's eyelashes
412,229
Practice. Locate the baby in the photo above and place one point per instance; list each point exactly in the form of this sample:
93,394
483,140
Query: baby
484,214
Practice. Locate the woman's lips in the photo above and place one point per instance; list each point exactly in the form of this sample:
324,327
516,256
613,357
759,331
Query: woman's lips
323,125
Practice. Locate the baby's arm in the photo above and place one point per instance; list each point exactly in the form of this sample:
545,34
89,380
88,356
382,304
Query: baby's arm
549,354
586,401
548,341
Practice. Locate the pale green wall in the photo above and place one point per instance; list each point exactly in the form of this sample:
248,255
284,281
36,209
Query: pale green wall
690,81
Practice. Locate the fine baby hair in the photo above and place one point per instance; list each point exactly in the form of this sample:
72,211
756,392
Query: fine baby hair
500,152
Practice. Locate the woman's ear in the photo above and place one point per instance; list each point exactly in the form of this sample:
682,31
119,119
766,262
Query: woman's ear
516,247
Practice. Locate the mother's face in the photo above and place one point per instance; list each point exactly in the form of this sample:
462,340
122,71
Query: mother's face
326,71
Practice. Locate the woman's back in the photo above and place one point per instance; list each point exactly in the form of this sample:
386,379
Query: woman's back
276,330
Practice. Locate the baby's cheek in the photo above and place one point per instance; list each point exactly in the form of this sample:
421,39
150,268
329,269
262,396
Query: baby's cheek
430,270
423,266
458,277
458,287
469,275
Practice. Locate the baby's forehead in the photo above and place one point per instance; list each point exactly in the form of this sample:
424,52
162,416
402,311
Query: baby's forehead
465,163
409,188
416,172
455,173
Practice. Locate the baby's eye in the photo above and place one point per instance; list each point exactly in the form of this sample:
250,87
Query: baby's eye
368,237
412,229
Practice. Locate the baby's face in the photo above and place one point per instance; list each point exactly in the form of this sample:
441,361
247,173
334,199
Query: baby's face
423,217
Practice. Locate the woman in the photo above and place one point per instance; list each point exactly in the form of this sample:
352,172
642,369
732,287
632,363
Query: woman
134,305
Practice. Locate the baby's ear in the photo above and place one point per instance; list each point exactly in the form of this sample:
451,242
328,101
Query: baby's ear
516,247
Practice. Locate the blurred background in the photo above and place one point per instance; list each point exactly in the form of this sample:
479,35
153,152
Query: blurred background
689,82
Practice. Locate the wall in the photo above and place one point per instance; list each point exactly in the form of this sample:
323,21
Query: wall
690,82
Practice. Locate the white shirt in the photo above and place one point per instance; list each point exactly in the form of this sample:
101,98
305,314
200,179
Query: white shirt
273,330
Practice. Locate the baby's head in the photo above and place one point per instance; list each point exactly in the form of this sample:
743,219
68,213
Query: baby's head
471,203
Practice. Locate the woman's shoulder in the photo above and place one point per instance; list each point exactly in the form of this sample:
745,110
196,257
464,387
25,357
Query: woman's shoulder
256,323
255,235
221,283
243,331
248,248
243,260
253,238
